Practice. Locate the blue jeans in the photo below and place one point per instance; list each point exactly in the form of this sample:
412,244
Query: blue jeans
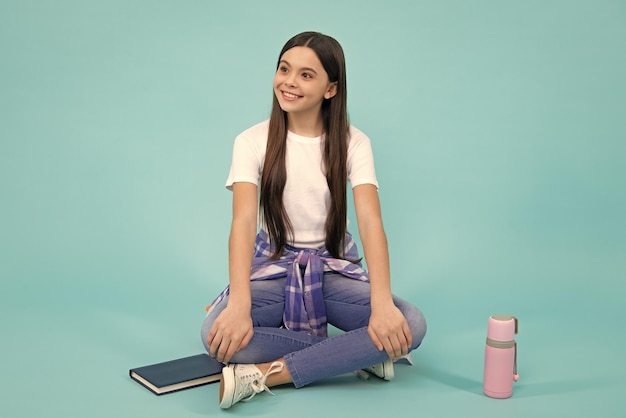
307,357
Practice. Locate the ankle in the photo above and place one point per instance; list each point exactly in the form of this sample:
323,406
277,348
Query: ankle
277,378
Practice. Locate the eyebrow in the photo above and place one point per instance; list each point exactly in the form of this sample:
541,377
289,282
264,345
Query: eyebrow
302,69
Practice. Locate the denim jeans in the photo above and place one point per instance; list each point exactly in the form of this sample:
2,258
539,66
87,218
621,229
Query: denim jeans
307,357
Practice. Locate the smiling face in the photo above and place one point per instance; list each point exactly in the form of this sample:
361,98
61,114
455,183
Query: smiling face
301,84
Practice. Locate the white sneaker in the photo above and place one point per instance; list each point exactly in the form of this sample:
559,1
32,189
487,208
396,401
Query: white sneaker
241,381
383,370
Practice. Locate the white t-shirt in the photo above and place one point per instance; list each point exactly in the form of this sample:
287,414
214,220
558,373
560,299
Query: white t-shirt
306,196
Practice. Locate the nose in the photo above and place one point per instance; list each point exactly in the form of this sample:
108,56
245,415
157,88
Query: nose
290,81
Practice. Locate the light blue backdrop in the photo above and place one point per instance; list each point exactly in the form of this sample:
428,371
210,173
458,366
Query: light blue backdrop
498,129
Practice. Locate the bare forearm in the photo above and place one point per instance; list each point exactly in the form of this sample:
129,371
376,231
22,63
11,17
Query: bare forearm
241,243
374,242
240,252
387,327
377,257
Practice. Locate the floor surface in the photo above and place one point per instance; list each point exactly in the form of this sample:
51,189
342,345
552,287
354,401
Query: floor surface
498,131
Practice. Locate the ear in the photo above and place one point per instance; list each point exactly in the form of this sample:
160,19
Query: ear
331,91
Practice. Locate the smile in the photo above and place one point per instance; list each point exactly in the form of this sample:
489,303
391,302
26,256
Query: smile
290,96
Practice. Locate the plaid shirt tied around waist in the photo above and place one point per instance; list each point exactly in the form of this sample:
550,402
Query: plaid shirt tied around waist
304,269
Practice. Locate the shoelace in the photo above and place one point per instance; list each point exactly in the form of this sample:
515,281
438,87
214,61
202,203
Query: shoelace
259,385
362,374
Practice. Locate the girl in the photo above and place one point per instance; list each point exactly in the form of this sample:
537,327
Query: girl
302,271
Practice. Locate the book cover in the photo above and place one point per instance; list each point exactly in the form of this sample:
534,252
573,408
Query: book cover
179,374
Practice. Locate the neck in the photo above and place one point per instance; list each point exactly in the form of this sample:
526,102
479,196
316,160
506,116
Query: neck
306,125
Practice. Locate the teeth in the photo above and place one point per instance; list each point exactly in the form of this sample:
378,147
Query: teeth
289,95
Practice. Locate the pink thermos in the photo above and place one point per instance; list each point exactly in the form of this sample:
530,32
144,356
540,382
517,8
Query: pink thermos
500,356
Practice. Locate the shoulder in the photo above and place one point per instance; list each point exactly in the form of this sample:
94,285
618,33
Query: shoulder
254,137
260,129
357,138
256,132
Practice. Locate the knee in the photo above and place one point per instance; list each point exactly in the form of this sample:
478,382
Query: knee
417,325
206,328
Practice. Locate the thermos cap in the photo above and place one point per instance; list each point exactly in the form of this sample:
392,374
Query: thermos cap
502,327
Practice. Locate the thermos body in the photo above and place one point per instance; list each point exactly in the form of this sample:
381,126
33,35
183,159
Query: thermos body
500,356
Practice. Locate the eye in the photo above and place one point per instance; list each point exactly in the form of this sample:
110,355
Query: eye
307,75
282,69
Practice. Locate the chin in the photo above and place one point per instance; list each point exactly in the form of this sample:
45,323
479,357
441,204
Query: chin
287,107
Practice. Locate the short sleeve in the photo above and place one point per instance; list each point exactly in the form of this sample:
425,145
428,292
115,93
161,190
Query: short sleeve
361,169
246,162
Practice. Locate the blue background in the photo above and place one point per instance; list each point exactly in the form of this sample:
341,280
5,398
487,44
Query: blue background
498,129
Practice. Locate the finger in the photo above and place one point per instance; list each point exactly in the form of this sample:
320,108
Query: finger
214,345
404,350
402,346
388,346
395,346
407,334
211,336
408,340
232,348
389,350
246,339
379,345
222,351
221,348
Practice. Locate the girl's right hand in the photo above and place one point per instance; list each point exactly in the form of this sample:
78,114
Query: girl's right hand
231,331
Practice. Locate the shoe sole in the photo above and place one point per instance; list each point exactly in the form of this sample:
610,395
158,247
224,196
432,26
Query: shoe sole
388,371
227,380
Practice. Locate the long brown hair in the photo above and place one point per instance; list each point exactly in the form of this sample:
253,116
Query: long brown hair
336,131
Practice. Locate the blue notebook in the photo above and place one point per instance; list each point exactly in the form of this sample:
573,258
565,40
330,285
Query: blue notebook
179,374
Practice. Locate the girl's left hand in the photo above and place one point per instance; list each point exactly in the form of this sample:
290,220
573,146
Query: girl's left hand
390,331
